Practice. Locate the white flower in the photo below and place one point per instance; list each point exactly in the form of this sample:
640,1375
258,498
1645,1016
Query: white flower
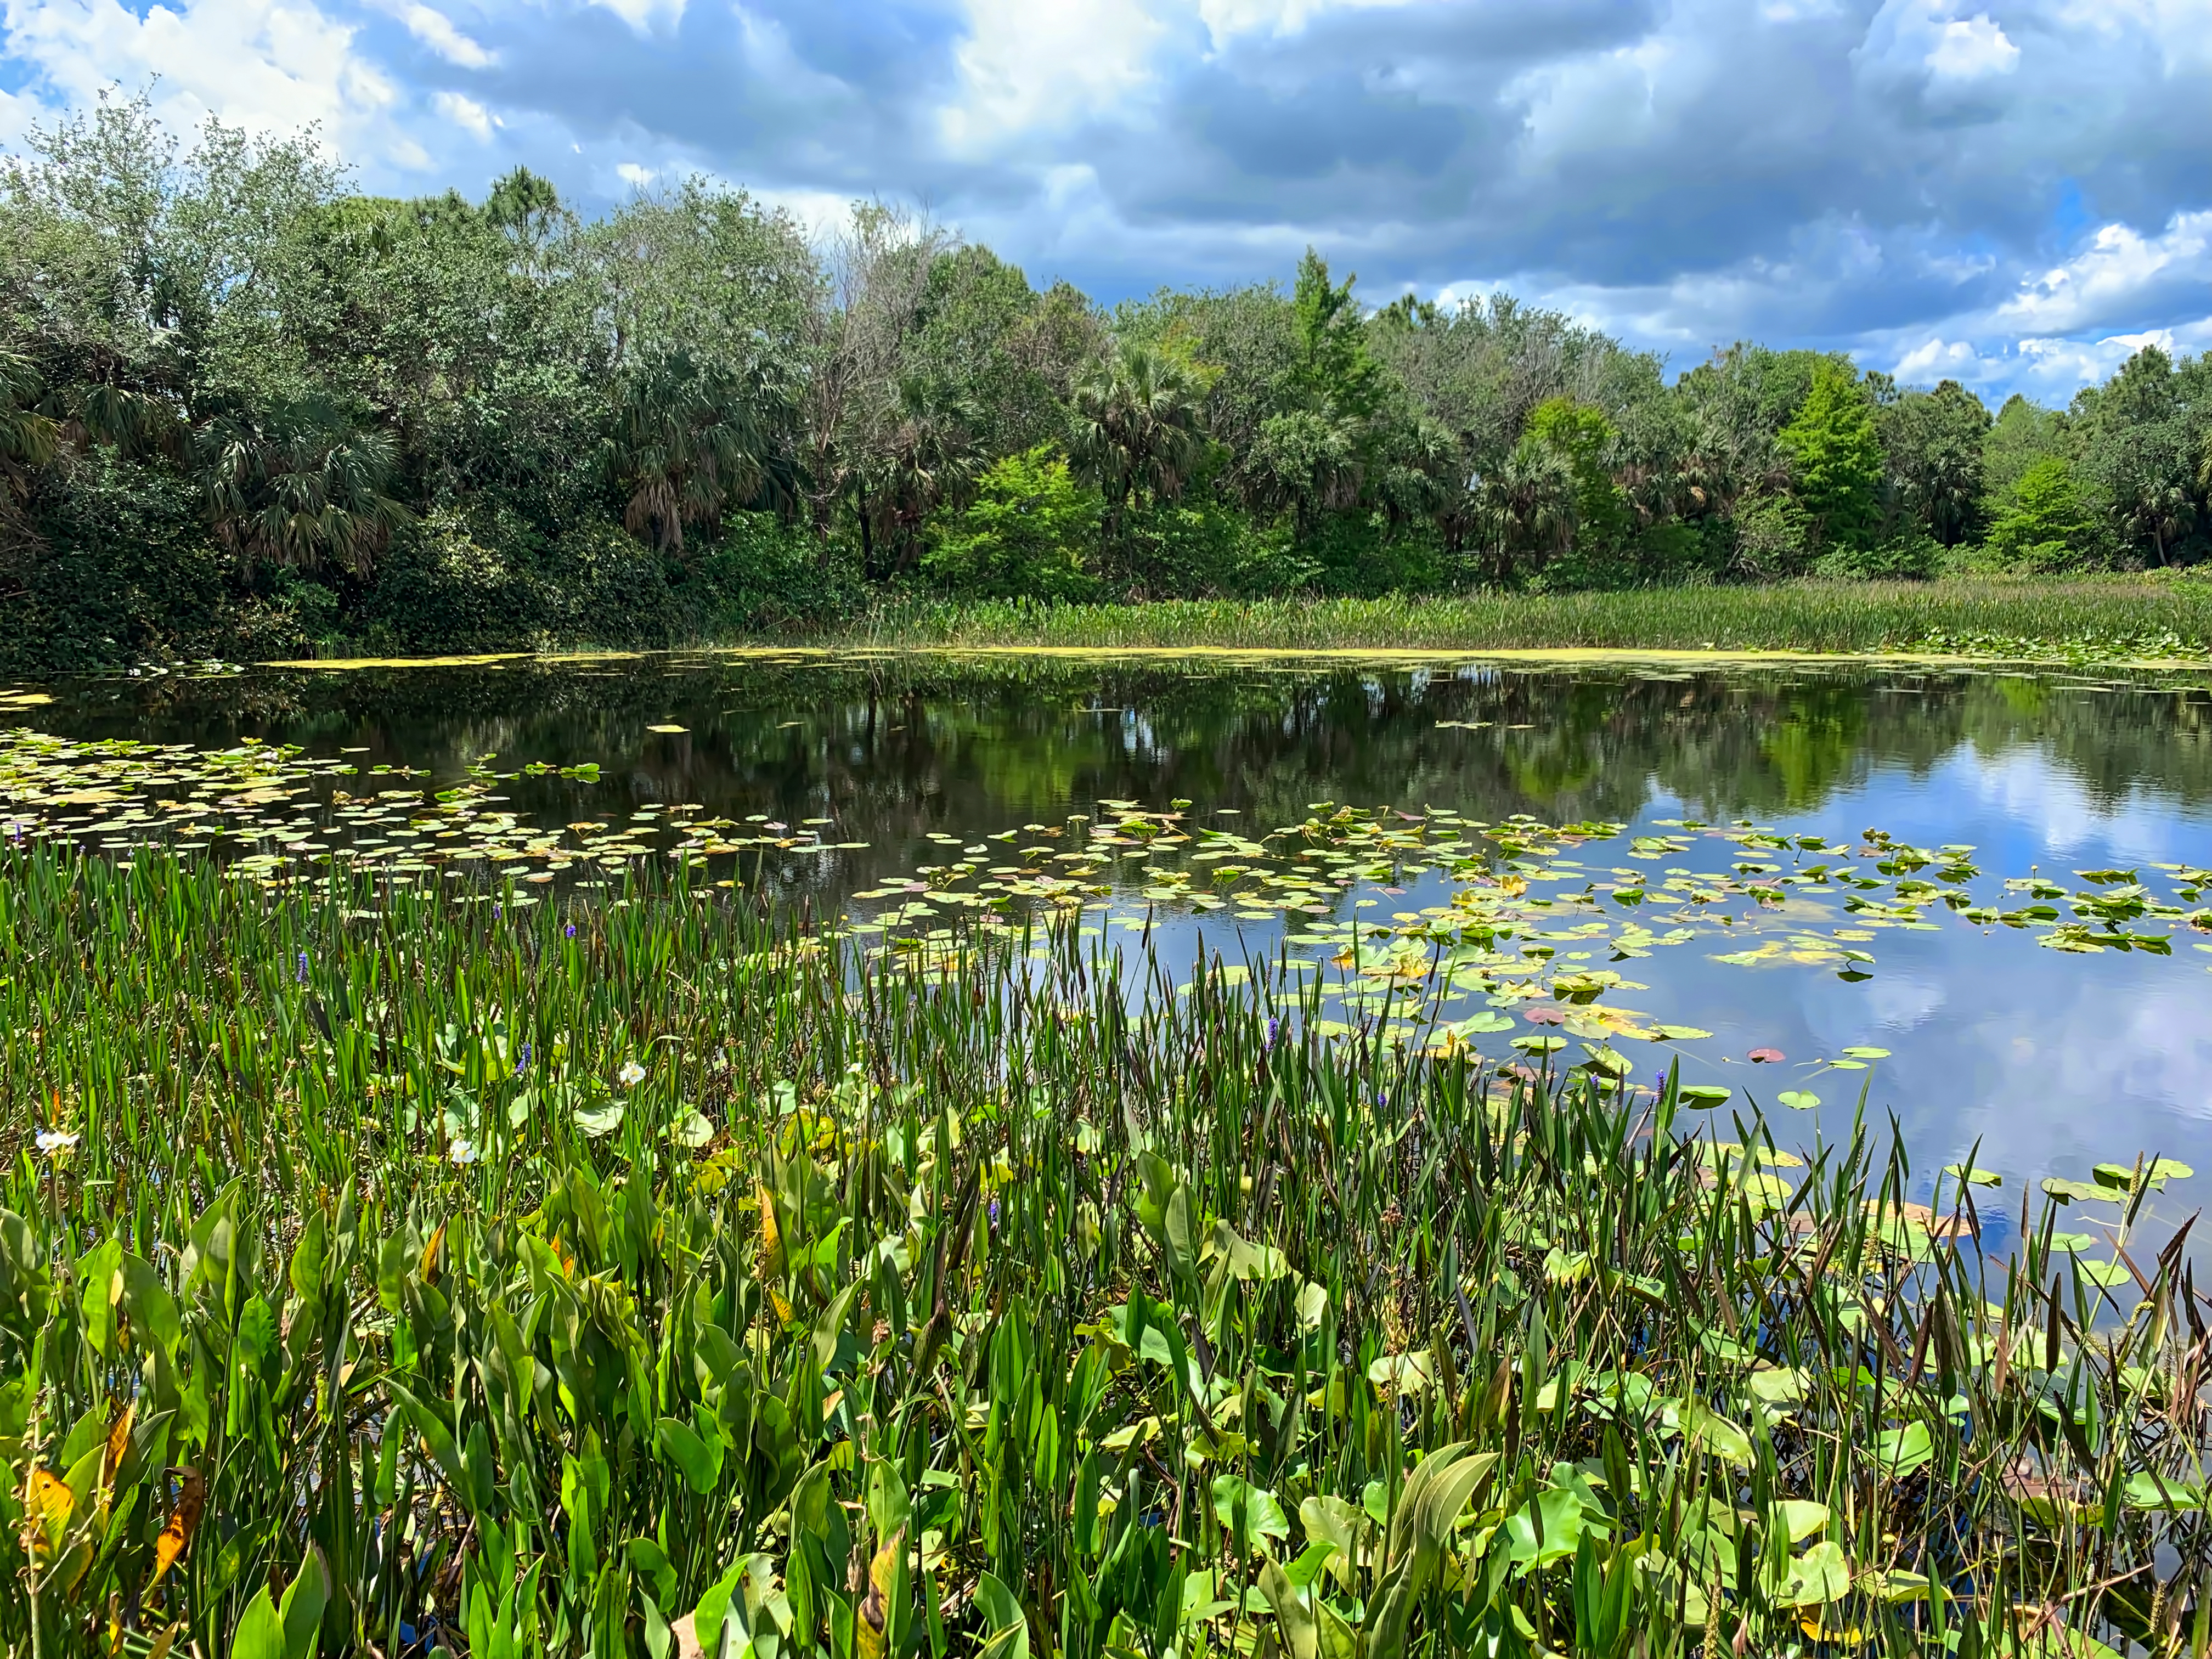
631,1074
56,1142
462,1152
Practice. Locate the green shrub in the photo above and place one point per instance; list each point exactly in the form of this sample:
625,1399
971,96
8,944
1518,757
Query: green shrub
117,568
2048,524
1912,556
1028,533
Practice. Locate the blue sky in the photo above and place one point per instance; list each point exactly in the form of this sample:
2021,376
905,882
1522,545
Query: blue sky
2014,193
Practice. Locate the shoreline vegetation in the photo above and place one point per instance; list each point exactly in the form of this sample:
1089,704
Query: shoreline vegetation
2139,621
248,411
2109,619
507,1272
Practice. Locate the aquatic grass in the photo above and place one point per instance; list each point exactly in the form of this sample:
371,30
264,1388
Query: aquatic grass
2089,619
529,1279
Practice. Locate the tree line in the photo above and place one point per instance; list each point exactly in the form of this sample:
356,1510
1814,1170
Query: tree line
246,408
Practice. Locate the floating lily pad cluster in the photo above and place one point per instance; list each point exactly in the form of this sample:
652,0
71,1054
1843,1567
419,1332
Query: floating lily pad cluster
1528,918
275,813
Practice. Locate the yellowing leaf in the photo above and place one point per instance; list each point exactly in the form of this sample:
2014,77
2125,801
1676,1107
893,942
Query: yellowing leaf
183,1519
47,1502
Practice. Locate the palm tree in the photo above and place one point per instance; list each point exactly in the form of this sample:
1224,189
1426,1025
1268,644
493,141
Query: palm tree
300,486
29,440
1528,506
928,454
1139,429
688,440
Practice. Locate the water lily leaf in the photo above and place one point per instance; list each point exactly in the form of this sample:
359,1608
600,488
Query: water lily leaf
2147,1491
601,1119
1681,1033
1803,1519
1720,1436
1900,1451
1766,1056
2110,1275
1487,1021
1706,1094
1778,1385
1820,1576
1801,1100
1863,1053
1973,1176
1606,1058
2067,1191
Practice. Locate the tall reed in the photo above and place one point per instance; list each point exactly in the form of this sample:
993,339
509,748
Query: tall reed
391,1271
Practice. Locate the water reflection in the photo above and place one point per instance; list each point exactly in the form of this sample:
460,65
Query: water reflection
2050,1062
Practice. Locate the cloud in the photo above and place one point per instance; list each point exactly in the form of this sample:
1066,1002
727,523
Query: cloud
436,31
1974,47
1026,65
647,17
2116,274
268,66
1926,36
465,113
2004,190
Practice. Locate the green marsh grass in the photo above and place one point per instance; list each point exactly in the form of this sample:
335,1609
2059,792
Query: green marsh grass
2079,619
392,1271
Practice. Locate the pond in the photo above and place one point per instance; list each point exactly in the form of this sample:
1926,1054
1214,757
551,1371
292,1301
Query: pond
1984,880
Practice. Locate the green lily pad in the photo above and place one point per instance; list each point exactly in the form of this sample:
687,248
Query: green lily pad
1972,1177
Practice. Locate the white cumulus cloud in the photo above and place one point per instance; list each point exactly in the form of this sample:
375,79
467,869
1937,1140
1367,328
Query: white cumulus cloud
268,66
1026,65
436,31
1974,46
2117,270
465,113
647,15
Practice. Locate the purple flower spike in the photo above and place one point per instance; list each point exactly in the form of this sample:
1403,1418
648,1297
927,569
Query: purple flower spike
302,977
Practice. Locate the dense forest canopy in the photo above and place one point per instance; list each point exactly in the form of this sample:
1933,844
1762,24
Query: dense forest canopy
244,408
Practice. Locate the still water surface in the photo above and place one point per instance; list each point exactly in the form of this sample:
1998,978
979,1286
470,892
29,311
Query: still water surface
2049,1060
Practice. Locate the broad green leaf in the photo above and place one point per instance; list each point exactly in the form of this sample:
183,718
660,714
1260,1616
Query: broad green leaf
1900,1451
1973,1176
301,1615
1720,1436
1803,1518
1236,1502
260,1633
700,1462
1820,1576
1002,1611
